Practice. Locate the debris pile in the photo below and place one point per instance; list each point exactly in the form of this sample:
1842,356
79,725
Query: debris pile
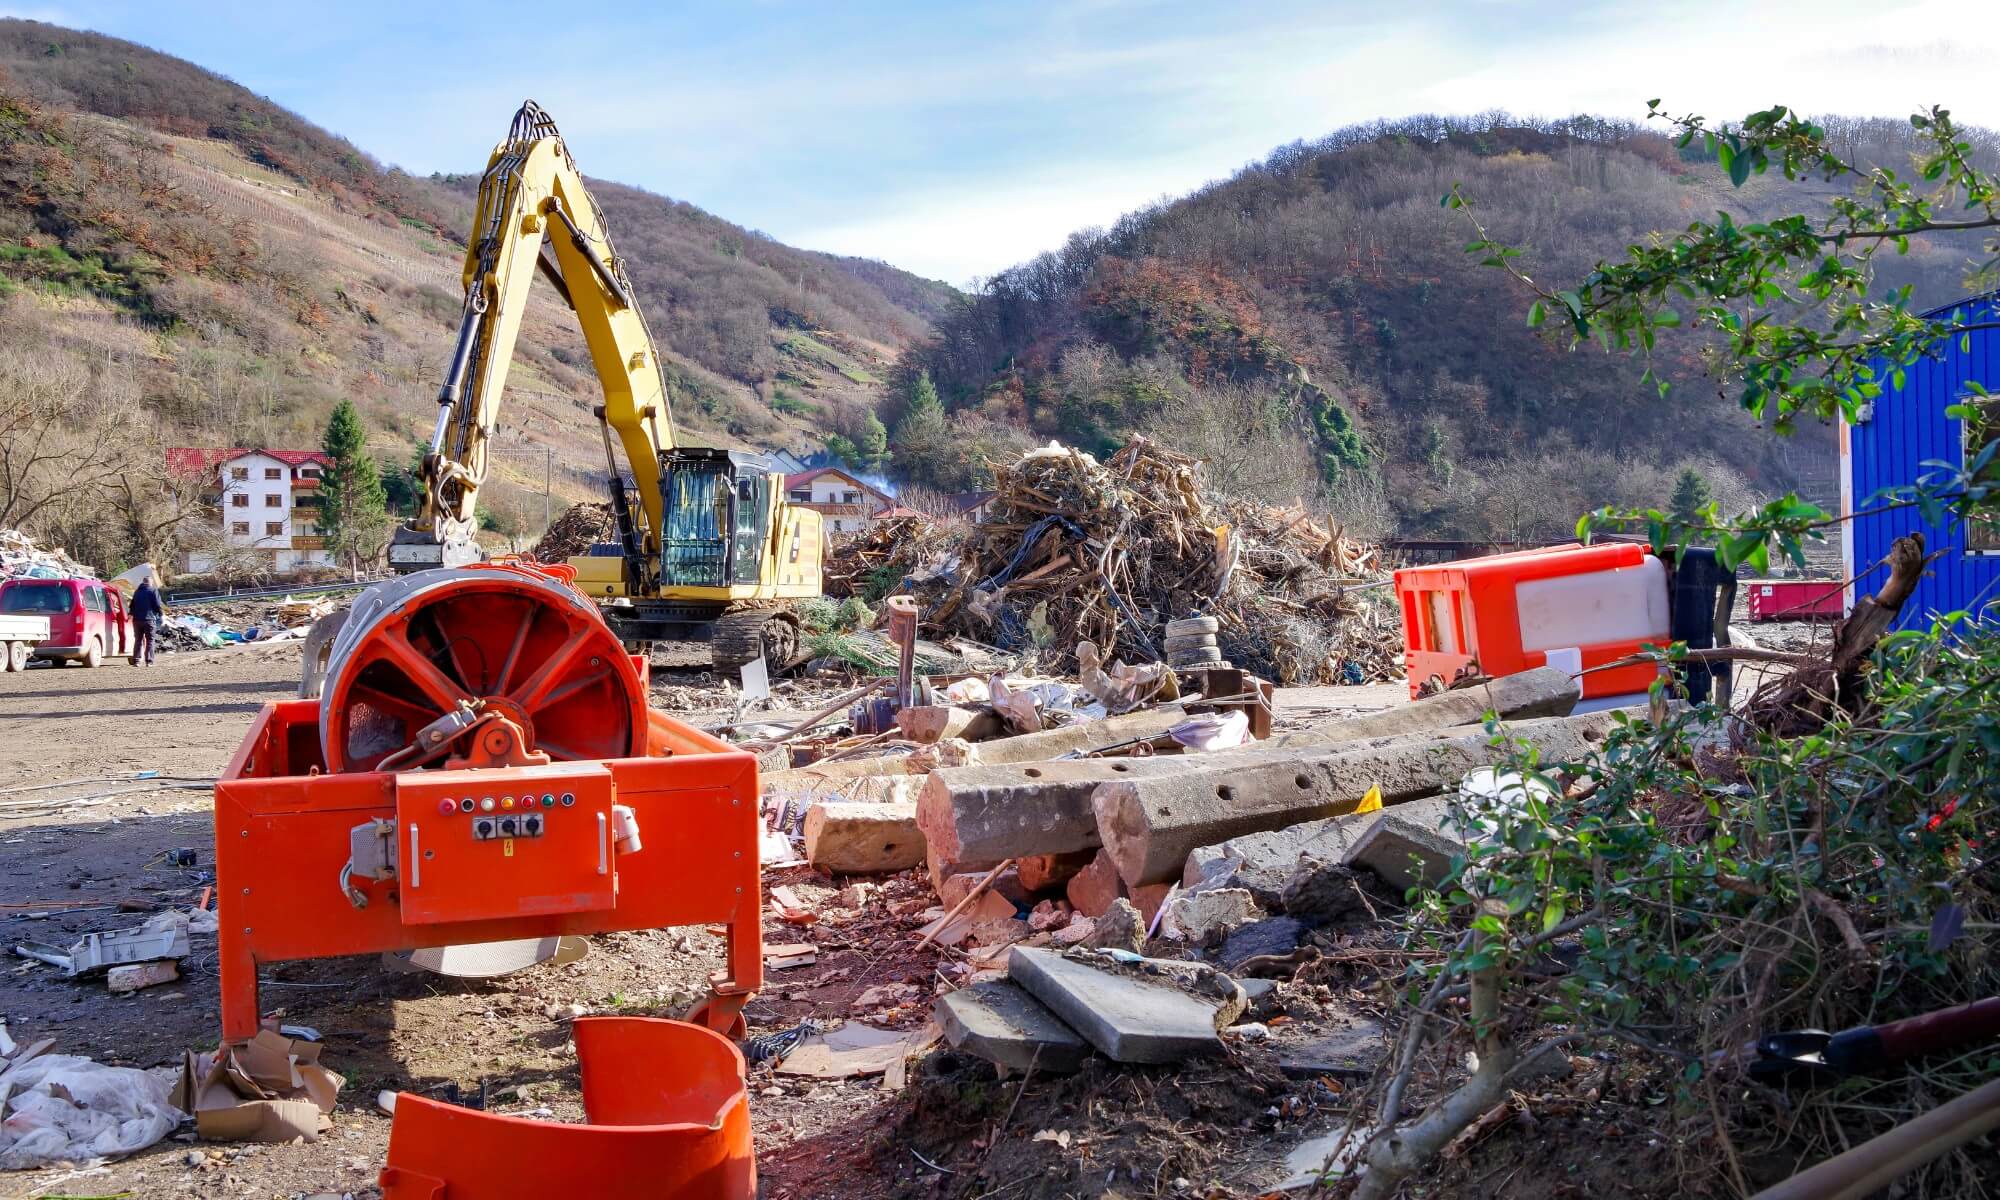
575,532
878,561
1075,550
21,558
217,623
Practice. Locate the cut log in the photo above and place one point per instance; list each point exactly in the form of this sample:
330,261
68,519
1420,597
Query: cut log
929,723
1149,824
863,839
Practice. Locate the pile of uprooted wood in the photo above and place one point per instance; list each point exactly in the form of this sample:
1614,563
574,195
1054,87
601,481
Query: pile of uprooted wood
1075,550
877,561
575,532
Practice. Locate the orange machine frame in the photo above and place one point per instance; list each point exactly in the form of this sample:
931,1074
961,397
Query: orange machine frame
1485,621
282,839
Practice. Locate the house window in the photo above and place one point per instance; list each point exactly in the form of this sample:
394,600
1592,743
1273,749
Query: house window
850,497
802,495
274,472
239,474
308,473
274,501
240,527
274,528
239,500
1982,532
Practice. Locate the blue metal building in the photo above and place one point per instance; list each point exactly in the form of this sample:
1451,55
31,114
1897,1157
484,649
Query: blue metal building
1886,447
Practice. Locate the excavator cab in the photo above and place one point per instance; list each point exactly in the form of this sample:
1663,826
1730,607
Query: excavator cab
732,551
718,518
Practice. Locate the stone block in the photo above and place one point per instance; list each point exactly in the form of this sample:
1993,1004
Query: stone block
1130,1019
1003,1024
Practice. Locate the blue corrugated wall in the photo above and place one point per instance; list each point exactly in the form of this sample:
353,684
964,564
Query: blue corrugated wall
1907,428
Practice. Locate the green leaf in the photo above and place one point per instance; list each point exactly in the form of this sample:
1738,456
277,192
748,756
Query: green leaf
1537,314
1552,916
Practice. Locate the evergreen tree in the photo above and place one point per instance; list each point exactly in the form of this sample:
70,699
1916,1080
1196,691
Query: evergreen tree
872,443
923,397
353,515
1691,494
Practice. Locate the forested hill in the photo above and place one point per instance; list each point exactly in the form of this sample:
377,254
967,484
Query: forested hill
1314,321
207,268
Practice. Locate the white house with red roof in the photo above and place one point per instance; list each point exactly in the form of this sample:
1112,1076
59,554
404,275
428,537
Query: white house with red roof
845,503
266,504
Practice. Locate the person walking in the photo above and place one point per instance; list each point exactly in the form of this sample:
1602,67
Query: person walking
147,609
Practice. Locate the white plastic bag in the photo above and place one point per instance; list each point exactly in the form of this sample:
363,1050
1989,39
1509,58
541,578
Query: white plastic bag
70,1109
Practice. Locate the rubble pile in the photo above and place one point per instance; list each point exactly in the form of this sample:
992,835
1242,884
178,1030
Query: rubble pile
216,623
575,532
1144,884
21,558
878,560
1074,550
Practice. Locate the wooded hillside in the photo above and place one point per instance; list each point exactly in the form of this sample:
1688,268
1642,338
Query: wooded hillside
1315,323
183,262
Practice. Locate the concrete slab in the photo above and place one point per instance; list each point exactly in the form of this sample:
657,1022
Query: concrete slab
1130,1020
1003,1024
1405,853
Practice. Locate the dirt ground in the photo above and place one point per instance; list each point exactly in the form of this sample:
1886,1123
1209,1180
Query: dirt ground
73,854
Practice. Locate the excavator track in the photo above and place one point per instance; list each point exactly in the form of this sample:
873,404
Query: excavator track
746,632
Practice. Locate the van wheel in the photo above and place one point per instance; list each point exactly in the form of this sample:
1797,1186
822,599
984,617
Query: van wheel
17,656
93,654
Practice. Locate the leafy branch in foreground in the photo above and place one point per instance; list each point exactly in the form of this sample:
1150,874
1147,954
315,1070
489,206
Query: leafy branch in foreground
1791,300
1790,296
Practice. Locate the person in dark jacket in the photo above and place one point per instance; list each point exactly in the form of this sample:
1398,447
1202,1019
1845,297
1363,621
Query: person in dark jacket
147,609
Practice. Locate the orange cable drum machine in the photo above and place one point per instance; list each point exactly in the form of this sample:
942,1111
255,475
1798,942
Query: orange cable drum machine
481,765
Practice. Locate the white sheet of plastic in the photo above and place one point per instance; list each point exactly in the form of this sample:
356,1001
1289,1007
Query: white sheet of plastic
69,1109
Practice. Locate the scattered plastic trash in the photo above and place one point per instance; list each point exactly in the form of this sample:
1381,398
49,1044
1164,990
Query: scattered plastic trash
64,1108
1210,732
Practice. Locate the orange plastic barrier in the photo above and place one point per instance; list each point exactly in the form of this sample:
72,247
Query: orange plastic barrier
1467,617
669,1119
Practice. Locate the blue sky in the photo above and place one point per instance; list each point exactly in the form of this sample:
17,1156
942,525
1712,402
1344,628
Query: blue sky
954,139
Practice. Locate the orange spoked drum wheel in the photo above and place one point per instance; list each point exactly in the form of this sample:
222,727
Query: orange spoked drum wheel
511,639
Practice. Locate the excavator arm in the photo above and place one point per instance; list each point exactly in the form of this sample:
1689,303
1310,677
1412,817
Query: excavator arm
534,213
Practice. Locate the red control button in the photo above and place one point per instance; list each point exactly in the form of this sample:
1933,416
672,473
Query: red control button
447,807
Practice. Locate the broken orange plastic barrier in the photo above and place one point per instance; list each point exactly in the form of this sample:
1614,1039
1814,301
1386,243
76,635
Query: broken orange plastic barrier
669,1120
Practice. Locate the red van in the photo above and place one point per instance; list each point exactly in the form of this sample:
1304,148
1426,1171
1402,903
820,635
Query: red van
87,618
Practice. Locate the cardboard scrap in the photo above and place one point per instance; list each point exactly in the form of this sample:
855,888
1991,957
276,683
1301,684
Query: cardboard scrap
269,1089
855,1049
950,932
790,954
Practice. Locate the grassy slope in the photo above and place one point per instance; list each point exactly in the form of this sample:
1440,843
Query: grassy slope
242,269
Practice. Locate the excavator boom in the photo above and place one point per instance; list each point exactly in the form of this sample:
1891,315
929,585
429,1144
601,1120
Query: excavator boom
534,213
715,550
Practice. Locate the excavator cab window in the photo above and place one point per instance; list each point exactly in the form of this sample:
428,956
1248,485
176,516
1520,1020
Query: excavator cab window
695,551
753,517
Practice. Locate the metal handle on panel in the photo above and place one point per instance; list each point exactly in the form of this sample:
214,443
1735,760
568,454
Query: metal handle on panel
603,844
416,859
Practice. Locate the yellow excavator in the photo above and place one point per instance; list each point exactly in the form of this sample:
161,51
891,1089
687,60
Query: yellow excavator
712,550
